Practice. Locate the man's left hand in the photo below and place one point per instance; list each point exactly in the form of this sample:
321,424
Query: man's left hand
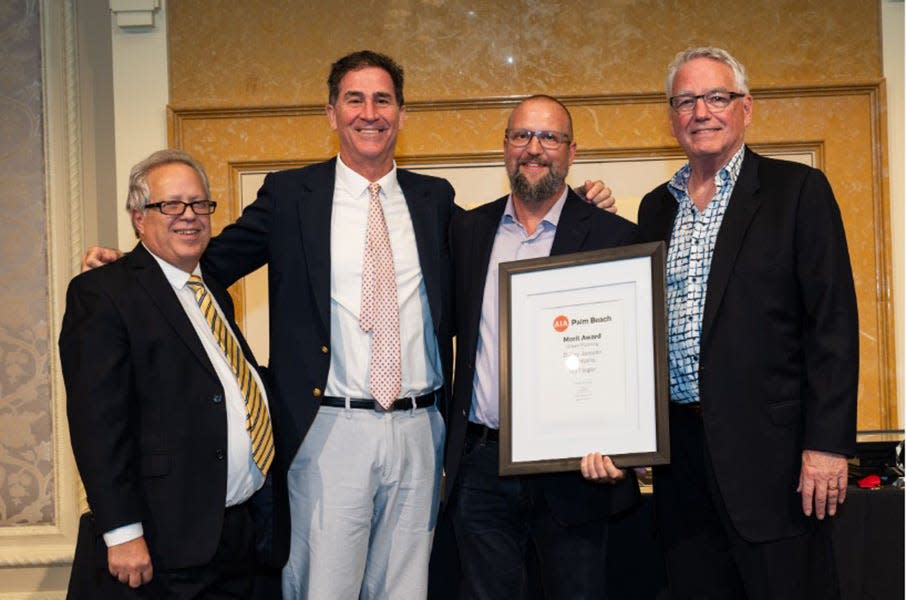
600,469
598,194
822,482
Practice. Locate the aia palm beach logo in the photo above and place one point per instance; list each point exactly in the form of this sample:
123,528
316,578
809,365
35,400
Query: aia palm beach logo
561,323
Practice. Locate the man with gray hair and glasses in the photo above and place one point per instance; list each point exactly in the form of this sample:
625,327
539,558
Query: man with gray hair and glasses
168,416
763,352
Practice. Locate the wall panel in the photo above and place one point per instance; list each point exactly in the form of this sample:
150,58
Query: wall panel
814,68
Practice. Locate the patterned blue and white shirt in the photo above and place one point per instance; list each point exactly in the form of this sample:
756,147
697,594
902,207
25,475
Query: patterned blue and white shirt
688,267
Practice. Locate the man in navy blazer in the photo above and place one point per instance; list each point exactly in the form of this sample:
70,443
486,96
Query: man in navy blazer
363,480
496,518
763,352
156,415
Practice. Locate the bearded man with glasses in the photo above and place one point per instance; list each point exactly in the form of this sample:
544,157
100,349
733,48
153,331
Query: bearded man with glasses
560,517
763,352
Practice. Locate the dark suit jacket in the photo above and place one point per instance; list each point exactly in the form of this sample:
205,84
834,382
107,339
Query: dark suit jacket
288,228
581,227
779,343
146,413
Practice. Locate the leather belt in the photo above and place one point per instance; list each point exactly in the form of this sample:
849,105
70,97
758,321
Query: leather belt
369,404
483,432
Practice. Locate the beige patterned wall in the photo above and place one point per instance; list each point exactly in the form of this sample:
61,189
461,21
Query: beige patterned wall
277,52
40,225
247,92
26,447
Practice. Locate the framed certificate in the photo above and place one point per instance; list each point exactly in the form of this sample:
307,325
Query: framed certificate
583,360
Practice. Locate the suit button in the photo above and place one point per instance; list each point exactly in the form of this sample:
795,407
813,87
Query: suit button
324,349
217,399
220,454
316,392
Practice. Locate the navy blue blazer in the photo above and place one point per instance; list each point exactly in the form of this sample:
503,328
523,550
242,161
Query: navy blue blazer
581,227
779,362
288,228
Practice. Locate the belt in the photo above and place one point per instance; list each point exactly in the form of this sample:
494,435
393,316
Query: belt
483,431
398,404
689,408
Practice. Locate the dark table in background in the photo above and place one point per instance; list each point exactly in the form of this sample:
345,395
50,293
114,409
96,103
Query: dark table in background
868,544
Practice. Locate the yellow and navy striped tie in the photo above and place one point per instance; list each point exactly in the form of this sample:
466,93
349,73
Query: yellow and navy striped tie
257,421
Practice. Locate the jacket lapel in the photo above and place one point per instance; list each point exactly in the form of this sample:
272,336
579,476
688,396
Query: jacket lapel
662,219
476,247
743,205
572,228
148,274
315,206
422,212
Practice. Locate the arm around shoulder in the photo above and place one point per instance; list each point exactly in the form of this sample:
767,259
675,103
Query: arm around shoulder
244,246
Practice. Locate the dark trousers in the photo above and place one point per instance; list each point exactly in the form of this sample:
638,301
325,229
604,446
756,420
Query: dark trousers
705,556
495,520
227,576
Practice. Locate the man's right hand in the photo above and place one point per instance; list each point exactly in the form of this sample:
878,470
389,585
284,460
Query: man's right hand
130,562
98,256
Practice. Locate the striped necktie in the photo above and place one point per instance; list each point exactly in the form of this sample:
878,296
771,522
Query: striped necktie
257,420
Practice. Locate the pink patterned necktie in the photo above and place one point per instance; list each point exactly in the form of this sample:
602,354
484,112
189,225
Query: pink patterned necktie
379,313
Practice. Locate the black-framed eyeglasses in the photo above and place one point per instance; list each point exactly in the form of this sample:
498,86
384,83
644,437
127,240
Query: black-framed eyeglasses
715,100
550,140
175,208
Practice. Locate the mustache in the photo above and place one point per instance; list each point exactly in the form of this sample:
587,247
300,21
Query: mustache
538,161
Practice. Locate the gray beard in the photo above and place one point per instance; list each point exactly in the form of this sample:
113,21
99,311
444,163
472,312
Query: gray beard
535,194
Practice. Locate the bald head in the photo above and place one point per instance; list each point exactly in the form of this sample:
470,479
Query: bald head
543,102
538,150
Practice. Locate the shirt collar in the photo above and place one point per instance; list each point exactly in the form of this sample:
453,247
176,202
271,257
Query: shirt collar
357,185
176,276
552,218
727,175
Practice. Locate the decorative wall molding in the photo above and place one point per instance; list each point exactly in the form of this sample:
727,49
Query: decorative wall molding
183,113
53,545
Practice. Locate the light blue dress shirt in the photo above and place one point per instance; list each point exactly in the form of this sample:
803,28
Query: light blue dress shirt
511,242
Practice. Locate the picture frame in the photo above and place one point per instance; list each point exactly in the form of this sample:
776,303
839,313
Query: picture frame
583,359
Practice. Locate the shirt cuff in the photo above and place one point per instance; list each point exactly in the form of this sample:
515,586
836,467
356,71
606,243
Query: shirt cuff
124,534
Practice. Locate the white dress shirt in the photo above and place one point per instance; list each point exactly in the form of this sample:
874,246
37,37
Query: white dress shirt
350,346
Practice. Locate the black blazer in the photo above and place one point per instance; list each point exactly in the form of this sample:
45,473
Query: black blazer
581,227
146,413
779,344
288,228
